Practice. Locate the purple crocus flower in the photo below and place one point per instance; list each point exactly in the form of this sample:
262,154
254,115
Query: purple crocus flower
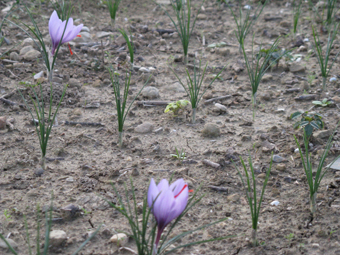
167,202
56,28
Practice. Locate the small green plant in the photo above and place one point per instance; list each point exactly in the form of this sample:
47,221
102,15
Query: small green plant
274,56
322,58
314,178
113,8
322,103
244,23
289,237
297,12
251,193
194,85
308,121
7,215
330,11
174,107
183,26
121,100
310,78
180,155
85,211
258,65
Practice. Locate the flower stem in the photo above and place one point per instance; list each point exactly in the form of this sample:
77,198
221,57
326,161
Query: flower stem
193,115
185,59
313,204
43,163
113,24
253,100
120,139
50,75
254,237
324,79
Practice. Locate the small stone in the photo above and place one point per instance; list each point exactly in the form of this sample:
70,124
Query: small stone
315,245
262,176
221,107
210,130
178,58
27,42
162,42
119,239
275,203
302,49
38,75
57,237
223,51
336,99
266,78
3,120
279,159
144,128
14,56
246,138
233,198
74,83
201,16
144,70
176,87
285,23
103,34
266,96
97,83
296,68
32,55
70,179
321,134
150,92
281,167
10,241
39,171
25,49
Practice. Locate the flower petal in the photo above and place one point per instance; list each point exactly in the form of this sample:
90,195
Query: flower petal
181,202
163,185
152,192
163,207
177,186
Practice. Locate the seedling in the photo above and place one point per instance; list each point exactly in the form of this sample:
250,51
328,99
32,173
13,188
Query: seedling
289,237
7,215
297,12
323,58
174,107
308,121
113,8
314,178
179,155
322,103
251,193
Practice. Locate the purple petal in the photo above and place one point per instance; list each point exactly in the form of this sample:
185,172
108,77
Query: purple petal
181,202
163,207
152,192
163,185
177,186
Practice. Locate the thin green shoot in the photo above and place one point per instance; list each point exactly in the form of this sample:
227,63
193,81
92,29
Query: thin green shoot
129,43
62,9
121,100
258,65
245,23
143,228
183,26
45,123
330,11
323,58
251,193
193,87
180,155
297,12
7,215
314,181
113,8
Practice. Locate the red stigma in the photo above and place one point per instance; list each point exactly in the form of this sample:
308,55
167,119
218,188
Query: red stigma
78,35
191,190
186,185
70,49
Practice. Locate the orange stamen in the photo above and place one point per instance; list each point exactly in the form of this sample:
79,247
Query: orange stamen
191,190
70,49
78,35
181,190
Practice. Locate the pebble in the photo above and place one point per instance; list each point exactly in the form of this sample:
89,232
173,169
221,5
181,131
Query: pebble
38,75
10,241
281,167
176,87
296,68
201,16
333,79
57,237
14,56
25,49
103,34
74,83
3,122
233,197
279,159
39,171
210,130
32,55
285,23
144,128
223,51
119,239
321,134
150,92
178,58
27,42
221,107
305,97
144,70
276,203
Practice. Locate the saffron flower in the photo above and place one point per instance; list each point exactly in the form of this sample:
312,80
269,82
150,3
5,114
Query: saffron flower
167,202
57,26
